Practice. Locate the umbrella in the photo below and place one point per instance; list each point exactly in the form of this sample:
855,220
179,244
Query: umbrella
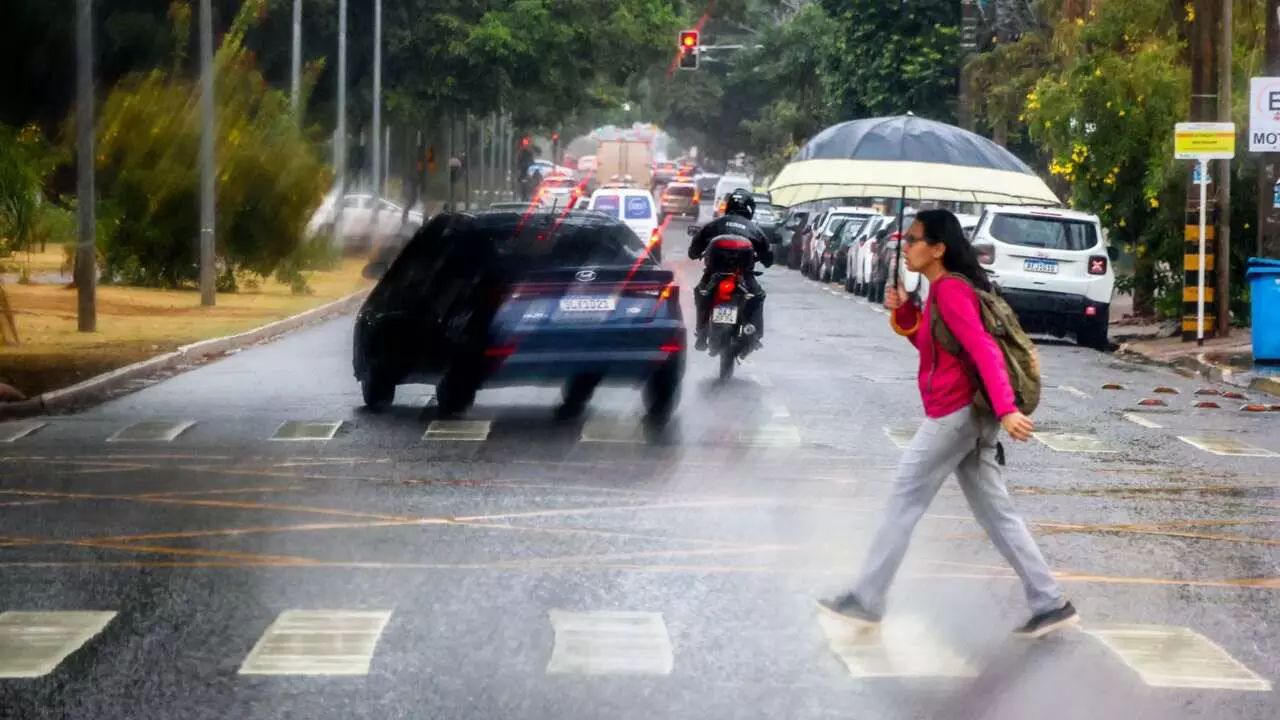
909,157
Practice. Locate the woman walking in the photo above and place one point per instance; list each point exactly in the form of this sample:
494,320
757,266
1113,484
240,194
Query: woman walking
955,437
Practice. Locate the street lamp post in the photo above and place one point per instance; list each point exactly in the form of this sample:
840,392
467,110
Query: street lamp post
295,90
86,268
207,284
377,100
340,151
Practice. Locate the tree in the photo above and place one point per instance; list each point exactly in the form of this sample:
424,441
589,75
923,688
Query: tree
891,57
1106,117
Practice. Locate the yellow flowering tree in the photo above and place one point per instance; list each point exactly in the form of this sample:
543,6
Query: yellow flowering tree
1107,116
269,176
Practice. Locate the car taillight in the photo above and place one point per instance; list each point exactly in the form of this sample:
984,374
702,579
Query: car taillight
724,292
670,347
1098,265
986,254
500,351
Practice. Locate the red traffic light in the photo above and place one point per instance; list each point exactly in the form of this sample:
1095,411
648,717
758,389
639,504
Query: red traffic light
689,39
524,142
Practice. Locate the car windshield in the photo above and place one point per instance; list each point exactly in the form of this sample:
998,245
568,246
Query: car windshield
1048,233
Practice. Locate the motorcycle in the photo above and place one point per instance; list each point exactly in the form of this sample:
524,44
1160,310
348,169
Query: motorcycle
730,335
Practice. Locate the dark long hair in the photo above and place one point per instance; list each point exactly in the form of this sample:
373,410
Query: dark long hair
941,226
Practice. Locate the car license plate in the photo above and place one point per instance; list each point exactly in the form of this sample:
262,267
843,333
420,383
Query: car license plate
1041,266
724,315
588,304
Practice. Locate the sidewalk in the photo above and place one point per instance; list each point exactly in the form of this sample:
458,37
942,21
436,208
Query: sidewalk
1220,360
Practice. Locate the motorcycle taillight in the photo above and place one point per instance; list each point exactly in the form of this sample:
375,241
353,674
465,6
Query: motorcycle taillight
724,292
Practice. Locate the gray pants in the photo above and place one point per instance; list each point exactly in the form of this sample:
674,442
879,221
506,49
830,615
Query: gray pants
964,443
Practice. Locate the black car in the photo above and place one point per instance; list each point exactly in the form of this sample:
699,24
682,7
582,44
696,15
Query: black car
516,299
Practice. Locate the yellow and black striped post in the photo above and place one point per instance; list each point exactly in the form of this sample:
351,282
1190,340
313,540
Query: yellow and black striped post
1191,270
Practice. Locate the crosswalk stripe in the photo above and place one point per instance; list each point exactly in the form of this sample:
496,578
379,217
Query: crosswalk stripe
468,430
610,643
1072,443
317,642
12,432
1139,420
151,431
1227,446
901,436
1177,657
901,647
32,644
305,430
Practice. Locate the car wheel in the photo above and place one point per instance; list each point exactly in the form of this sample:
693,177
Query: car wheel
576,395
454,394
662,392
1094,333
377,391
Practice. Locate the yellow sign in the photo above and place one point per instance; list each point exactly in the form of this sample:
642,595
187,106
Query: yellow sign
1204,141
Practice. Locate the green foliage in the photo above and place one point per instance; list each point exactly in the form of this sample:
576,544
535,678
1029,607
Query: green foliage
1105,115
26,160
890,57
268,178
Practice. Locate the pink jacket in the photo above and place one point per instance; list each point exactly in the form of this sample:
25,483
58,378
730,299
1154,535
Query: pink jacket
947,387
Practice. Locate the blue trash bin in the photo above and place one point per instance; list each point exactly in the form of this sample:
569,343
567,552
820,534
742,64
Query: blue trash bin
1264,294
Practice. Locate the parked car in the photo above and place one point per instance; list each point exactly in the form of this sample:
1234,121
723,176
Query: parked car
489,300
1053,267
860,258
815,241
769,221
365,225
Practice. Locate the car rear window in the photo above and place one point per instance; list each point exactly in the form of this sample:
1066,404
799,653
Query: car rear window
680,190
1047,233
639,207
548,244
607,204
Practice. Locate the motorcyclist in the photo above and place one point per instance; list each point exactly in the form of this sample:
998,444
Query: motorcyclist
739,208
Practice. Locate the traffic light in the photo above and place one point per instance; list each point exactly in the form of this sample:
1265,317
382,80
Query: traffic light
689,50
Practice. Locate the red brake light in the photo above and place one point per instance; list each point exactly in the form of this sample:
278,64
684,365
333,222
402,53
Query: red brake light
500,351
669,348
986,253
724,292
1098,265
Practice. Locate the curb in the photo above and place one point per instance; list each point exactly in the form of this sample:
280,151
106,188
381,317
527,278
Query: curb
1199,366
101,386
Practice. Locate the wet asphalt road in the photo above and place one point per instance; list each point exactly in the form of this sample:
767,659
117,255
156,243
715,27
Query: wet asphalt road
491,566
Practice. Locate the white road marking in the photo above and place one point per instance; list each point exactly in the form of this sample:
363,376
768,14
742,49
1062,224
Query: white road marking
151,431
32,644
770,435
1177,657
1075,391
1072,442
1139,420
465,430
612,431
301,431
610,643
1227,446
901,647
880,309
777,409
901,436
12,432
317,642
761,380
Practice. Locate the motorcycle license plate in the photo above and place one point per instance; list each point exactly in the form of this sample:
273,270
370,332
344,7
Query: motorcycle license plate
724,315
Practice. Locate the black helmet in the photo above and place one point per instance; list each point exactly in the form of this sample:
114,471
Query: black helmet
741,203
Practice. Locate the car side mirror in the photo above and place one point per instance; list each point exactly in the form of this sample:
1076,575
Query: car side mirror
1113,253
374,270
